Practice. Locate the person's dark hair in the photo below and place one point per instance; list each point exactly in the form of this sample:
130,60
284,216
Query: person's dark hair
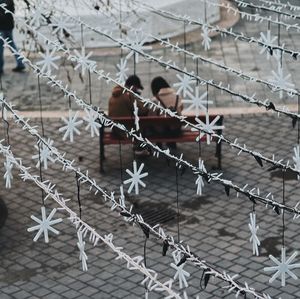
157,84
135,81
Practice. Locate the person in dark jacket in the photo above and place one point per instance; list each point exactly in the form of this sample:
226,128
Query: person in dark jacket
6,32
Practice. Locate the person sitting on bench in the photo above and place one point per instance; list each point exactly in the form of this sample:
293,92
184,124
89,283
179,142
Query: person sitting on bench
121,103
167,98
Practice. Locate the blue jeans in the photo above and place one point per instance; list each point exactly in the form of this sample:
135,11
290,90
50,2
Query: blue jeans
8,34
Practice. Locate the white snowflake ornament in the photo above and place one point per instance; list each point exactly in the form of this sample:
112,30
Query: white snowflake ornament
44,225
296,157
180,274
199,181
283,267
37,16
206,39
82,255
281,80
92,124
44,155
253,229
136,177
71,126
83,61
184,84
269,40
122,71
47,63
208,126
197,102
61,26
8,173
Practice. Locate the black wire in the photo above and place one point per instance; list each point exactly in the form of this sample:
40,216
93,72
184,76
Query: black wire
184,42
41,105
90,86
207,97
5,128
120,26
145,259
177,203
41,171
78,193
283,213
121,162
134,63
70,103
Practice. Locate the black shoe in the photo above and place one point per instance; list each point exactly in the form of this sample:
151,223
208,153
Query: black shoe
172,145
19,69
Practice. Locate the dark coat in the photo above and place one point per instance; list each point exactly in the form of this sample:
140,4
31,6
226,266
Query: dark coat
6,19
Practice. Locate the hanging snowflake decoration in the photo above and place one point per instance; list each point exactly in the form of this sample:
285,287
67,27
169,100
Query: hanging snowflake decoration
185,84
61,26
281,81
206,39
180,274
71,126
92,122
48,60
208,126
296,158
8,173
137,44
283,267
82,255
197,102
44,225
136,177
83,61
253,229
122,69
37,16
44,155
199,181
269,41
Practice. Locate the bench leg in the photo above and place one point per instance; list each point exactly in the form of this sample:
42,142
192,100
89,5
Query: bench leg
219,154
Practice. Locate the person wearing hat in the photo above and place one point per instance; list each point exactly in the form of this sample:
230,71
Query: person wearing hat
121,104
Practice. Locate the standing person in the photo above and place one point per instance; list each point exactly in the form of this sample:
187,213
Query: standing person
121,103
6,32
167,98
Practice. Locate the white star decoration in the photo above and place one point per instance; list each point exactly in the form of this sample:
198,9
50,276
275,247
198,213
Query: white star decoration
185,84
82,255
199,182
210,127
44,225
281,81
283,268
71,124
269,40
136,177
8,173
197,102
83,60
253,229
206,39
122,69
92,124
47,62
180,273
296,157
60,26
37,16
45,154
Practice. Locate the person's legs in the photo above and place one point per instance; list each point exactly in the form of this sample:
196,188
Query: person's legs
20,64
1,52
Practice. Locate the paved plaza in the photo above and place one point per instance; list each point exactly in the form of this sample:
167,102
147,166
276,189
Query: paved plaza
214,225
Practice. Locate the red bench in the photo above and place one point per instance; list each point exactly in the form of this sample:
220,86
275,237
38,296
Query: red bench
107,137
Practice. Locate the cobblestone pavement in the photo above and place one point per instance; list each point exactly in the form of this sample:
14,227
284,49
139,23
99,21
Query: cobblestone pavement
215,226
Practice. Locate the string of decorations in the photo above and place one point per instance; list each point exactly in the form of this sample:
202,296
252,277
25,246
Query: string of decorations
223,31
84,229
277,10
287,5
130,217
